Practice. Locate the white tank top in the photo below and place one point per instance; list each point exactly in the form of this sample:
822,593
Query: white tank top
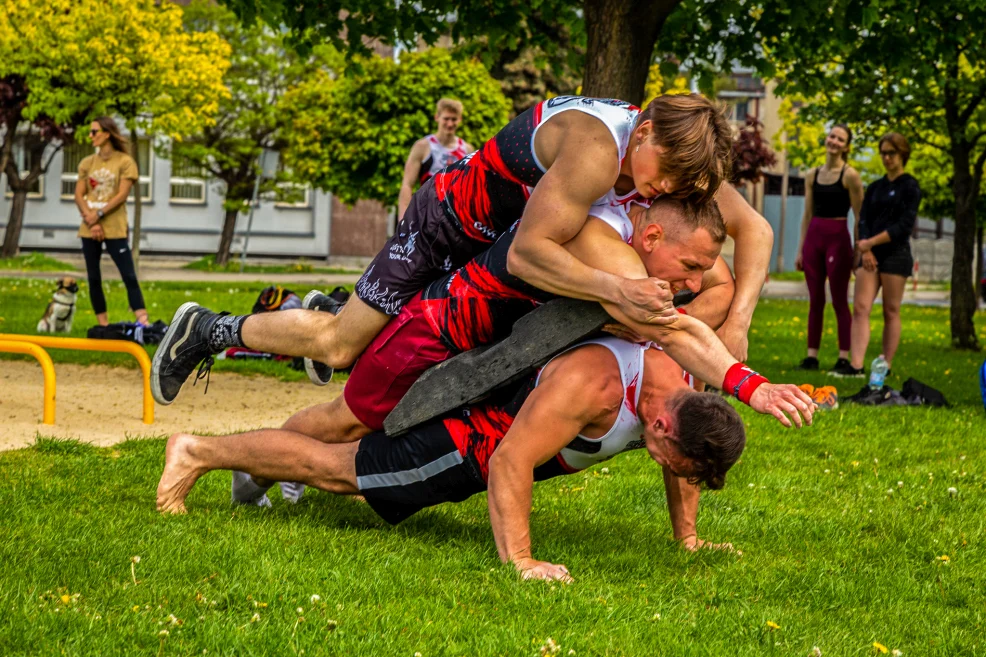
627,431
616,215
619,117
440,157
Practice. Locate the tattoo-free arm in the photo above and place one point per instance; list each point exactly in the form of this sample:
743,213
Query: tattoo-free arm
412,171
121,196
854,184
712,305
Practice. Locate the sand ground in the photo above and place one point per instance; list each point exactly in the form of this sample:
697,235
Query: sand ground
102,405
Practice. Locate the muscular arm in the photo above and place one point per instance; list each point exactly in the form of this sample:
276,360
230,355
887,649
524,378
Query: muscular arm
751,262
584,168
568,399
412,170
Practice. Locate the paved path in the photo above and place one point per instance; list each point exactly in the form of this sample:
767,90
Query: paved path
165,269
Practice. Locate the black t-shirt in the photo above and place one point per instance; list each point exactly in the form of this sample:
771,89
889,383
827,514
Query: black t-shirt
892,206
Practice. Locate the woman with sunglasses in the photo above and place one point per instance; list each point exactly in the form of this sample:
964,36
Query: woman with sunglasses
826,249
105,180
890,208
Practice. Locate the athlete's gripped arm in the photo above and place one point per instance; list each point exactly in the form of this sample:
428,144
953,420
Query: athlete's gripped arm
712,304
577,391
691,343
412,171
751,258
584,168
683,500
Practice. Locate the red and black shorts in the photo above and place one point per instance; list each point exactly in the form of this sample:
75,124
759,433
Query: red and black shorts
421,468
427,245
388,367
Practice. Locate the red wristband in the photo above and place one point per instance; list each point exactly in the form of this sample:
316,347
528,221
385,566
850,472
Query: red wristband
741,381
681,310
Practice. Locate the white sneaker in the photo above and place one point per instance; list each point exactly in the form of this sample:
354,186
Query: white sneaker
246,491
292,491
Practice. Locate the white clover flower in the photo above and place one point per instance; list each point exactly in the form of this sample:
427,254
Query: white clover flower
255,618
604,471
163,633
135,559
752,486
953,491
890,491
300,611
897,653
316,598
900,484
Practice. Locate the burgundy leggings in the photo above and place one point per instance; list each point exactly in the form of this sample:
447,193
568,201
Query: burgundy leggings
828,252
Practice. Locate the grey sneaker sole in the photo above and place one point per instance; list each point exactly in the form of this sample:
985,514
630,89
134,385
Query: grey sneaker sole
847,376
311,367
164,347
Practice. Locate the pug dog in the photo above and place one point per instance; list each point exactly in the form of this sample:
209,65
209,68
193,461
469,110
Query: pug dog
61,309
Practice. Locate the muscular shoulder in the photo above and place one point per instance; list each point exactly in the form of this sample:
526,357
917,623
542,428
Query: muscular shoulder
421,147
577,140
589,374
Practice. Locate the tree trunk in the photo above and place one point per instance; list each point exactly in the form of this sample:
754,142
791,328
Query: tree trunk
979,258
226,239
963,293
620,44
12,239
135,248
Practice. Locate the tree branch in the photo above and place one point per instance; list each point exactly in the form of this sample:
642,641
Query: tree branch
916,135
966,114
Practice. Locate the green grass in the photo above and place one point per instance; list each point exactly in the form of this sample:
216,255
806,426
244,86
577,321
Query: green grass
24,301
844,528
34,262
301,266
787,276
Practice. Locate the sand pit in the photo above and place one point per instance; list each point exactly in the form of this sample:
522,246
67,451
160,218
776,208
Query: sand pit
102,405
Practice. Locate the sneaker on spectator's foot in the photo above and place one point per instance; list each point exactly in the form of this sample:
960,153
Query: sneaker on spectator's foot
292,491
246,491
184,346
320,373
845,369
826,397
809,363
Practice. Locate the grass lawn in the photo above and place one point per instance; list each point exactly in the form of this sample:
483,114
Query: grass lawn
850,537
24,301
208,263
34,262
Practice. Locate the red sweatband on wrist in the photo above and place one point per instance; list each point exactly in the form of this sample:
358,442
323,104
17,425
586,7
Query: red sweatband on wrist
741,381
681,310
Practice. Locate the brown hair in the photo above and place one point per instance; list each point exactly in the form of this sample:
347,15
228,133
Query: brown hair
448,105
680,218
697,139
899,142
710,432
117,140
848,130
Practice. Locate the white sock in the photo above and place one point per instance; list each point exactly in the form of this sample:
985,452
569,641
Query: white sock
246,491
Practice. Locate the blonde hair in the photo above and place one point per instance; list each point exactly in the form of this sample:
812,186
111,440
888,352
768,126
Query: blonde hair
680,218
448,105
697,140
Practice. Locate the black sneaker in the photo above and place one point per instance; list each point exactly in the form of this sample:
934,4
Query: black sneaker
809,363
320,373
184,346
869,397
843,368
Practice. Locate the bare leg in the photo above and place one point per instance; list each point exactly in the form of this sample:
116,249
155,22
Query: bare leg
273,454
103,319
141,316
336,340
893,294
867,285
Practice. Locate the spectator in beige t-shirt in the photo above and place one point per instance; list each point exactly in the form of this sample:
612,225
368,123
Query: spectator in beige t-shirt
105,180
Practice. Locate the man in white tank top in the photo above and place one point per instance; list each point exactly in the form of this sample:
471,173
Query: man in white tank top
431,154
587,405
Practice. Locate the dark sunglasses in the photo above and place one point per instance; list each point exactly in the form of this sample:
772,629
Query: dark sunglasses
887,153
94,132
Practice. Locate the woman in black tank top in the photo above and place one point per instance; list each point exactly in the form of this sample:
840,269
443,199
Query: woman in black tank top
826,250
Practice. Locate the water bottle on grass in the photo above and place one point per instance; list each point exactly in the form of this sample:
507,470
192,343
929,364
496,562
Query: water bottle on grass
878,372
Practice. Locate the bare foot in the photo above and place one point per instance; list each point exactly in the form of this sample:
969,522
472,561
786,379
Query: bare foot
180,474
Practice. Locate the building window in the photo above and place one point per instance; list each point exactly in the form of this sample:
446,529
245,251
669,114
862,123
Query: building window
187,182
293,195
741,110
25,158
72,155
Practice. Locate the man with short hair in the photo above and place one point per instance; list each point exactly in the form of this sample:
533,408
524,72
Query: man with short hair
596,400
432,153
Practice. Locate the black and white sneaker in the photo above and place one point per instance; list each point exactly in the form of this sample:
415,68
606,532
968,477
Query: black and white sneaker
184,346
810,363
320,373
843,368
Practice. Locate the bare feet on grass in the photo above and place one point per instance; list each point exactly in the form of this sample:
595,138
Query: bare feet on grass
180,474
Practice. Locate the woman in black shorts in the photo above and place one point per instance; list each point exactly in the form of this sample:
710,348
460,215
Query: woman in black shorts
883,252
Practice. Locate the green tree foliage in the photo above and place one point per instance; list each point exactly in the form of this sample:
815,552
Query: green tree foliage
916,68
351,135
262,70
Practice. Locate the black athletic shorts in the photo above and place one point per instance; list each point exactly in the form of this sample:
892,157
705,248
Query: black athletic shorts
422,468
894,259
427,245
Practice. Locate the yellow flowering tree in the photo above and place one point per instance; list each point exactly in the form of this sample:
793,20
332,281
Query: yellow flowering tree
82,58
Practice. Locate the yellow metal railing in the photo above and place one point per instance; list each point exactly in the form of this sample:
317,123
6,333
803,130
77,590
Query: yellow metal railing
47,368
85,344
